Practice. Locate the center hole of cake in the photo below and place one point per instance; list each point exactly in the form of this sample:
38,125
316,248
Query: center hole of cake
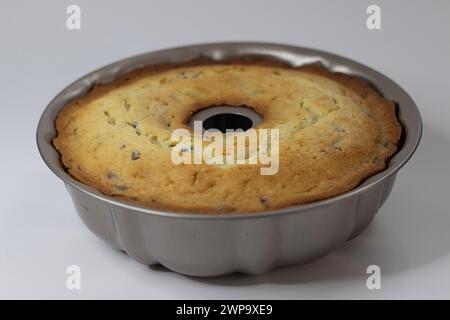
225,118
226,121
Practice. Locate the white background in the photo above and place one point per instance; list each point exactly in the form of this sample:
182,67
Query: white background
40,233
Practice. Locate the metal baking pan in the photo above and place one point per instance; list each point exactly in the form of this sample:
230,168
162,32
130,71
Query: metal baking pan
212,245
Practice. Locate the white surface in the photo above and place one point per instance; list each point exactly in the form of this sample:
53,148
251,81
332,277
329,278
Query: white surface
40,233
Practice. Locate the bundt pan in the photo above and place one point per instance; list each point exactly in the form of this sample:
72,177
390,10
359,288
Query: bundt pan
218,244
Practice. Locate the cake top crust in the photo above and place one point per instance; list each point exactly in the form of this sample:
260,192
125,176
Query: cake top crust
334,131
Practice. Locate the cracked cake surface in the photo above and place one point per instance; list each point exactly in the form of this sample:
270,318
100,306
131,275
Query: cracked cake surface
334,132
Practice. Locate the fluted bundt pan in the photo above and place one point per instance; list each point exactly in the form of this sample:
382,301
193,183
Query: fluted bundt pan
218,244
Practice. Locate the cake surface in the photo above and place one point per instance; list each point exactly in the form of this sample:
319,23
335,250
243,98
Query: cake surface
334,132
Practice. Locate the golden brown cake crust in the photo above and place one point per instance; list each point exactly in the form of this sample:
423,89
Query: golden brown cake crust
335,131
